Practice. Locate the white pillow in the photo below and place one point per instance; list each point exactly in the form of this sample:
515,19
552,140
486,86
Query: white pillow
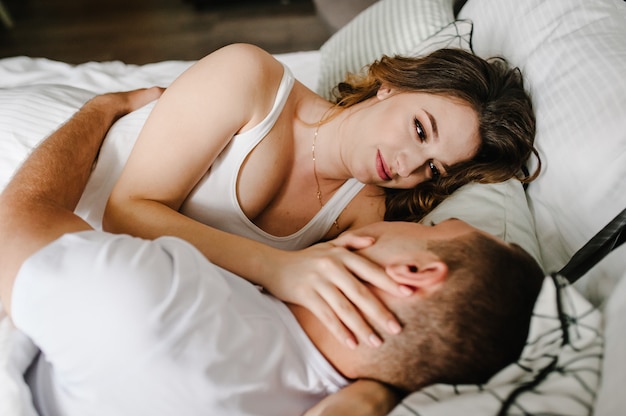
500,209
457,34
573,55
388,27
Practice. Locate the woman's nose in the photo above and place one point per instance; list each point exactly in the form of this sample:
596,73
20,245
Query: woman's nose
409,164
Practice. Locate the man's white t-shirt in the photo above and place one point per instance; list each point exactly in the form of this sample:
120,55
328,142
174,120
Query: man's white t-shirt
134,327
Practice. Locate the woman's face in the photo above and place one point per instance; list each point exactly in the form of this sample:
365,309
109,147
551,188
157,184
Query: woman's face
405,138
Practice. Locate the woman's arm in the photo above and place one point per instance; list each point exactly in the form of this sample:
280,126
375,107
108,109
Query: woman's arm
361,398
225,93
222,94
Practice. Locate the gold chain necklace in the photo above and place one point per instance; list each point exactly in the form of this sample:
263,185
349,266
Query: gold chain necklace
317,181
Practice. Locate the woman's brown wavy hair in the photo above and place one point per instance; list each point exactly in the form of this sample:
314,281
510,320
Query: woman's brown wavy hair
493,89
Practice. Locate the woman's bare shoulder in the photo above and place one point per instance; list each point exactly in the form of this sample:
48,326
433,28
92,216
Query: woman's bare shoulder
236,84
244,64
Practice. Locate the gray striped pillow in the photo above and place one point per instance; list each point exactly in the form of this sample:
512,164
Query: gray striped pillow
388,27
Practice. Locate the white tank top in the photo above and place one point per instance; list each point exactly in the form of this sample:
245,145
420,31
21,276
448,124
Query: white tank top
214,199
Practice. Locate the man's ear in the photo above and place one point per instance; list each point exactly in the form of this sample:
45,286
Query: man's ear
425,277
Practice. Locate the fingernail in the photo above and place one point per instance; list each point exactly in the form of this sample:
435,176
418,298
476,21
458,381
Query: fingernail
394,327
375,341
406,290
351,343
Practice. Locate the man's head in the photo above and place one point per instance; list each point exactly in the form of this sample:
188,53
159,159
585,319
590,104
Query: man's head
470,314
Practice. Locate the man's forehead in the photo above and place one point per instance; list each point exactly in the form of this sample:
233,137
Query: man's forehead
461,227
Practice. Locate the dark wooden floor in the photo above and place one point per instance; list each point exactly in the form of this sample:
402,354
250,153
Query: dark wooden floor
143,31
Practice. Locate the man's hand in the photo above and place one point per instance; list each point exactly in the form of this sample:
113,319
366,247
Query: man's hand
122,103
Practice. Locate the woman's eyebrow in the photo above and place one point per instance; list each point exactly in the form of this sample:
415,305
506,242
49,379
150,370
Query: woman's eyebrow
433,124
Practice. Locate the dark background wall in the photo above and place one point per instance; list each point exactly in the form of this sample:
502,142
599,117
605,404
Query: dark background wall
143,31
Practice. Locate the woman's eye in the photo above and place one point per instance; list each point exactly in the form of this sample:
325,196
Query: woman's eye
420,130
434,170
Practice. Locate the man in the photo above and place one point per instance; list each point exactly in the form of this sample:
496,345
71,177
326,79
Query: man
129,326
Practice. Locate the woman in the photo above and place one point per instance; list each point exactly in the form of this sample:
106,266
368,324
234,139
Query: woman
249,165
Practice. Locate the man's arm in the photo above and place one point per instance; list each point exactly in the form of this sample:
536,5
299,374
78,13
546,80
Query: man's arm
37,206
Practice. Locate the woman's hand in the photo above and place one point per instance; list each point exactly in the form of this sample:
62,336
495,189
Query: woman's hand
361,398
329,279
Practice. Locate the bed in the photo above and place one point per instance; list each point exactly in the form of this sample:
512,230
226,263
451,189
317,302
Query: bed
573,55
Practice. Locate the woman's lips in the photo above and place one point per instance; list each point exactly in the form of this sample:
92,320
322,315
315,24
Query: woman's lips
381,168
